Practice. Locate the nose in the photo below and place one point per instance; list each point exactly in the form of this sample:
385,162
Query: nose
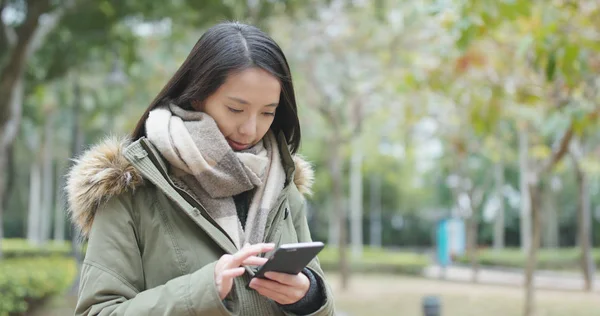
248,127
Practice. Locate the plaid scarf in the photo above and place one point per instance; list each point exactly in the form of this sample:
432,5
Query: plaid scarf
202,159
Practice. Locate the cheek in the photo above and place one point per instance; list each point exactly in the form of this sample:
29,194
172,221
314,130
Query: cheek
224,122
226,125
264,127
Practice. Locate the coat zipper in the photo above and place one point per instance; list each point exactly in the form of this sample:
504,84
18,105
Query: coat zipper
187,196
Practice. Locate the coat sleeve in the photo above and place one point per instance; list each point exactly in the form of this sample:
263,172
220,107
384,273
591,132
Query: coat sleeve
112,275
303,233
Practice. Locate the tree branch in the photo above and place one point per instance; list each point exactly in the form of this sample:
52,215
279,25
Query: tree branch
49,23
30,37
8,37
559,152
13,71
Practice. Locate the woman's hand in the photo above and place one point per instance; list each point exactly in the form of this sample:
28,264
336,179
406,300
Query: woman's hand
283,288
229,266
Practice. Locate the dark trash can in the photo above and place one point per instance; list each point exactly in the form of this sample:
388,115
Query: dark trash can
432,306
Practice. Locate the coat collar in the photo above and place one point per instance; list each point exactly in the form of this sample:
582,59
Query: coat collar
104,171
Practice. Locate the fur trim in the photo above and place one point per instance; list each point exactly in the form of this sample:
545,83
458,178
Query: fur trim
304,176
102,172
97,175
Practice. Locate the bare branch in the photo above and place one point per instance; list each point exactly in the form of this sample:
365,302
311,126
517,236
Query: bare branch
48,22
563,147
323,105
8,37
559,152
30,36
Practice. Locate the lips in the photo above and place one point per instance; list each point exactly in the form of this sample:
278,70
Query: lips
237,146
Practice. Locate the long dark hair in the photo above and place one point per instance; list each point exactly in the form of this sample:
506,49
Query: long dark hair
224,49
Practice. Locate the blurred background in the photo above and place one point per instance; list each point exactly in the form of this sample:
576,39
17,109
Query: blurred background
456,143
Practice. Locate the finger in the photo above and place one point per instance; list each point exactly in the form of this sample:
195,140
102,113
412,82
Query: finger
223,261
284,278
271,285
255,261
232,273
277,296
252,250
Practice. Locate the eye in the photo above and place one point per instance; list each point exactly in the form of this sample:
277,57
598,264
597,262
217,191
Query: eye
269,113
234,110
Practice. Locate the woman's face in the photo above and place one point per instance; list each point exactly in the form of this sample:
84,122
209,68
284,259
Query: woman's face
244,106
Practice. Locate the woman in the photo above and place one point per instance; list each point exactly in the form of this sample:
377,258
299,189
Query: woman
179,217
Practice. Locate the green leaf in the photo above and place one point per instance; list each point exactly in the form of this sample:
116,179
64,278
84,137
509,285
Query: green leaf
524,45
512,9
540,151
106,8
569,62
466,36
551,66
571,54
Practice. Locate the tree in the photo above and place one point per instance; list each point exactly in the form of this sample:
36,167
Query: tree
557,56
42,40
346,69
20,42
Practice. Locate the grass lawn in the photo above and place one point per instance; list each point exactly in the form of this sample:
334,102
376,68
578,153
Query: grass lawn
397,295
375,295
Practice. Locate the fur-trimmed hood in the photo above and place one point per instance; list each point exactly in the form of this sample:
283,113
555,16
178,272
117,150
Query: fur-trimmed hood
103,172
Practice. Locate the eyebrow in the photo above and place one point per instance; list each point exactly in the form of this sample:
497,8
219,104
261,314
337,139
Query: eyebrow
242,101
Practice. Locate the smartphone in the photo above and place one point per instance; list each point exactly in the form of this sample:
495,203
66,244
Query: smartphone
291,258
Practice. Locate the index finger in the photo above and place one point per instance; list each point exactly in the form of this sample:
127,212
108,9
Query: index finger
249,251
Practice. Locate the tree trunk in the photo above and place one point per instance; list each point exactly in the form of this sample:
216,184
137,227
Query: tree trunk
499,220
338,208
48,180
30,38
35,199
333,234
11,177
550,220
524,185
3,165
9,125
375,212
356,199
59,215
77,141
532,254
472,223
584,230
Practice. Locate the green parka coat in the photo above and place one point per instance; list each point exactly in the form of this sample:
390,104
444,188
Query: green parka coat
152,248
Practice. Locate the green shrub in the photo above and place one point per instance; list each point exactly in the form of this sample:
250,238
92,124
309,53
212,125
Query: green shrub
26,281
377,261
17,248
548,259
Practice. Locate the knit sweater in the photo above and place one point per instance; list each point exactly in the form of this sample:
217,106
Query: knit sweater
313,299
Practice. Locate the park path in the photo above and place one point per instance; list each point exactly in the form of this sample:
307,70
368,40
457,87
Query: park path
551,280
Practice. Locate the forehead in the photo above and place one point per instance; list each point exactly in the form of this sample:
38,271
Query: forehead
254,85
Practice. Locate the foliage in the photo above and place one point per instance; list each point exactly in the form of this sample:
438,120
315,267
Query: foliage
19,248
377,261
549,259
27,281
427,102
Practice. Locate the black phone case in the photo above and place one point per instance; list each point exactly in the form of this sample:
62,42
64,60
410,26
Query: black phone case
290,261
